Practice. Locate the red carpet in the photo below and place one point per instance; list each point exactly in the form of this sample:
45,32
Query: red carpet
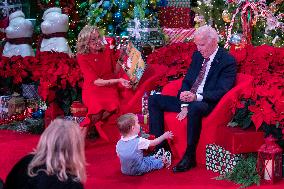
104,171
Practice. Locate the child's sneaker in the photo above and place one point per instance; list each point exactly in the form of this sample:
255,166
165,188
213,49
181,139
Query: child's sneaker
167,159
160,154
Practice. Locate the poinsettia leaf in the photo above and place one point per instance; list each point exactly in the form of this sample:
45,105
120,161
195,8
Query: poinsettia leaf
246,123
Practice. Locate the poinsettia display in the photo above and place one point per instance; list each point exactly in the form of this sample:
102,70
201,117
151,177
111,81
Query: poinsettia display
176,57
59,76
264,104
18,68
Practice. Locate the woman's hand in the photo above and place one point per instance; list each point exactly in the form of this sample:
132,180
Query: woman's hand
125,83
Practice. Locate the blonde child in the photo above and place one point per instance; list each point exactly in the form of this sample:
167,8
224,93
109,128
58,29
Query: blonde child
130,148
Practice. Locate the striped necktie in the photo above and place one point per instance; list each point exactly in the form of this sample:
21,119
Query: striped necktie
200,76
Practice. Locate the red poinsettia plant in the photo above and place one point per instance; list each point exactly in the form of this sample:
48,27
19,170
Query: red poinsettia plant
56,70
18,68
58,75
177,57
264,104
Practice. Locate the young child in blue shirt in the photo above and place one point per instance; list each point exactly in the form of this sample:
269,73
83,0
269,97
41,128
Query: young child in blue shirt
130,148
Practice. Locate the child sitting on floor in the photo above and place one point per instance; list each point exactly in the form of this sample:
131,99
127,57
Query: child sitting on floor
130,148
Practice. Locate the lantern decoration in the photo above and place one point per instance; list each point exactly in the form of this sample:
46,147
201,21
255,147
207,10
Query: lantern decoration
269,162
16,104
78,110
145,104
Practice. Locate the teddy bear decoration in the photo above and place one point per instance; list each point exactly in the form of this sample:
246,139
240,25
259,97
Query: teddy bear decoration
18,36
54,28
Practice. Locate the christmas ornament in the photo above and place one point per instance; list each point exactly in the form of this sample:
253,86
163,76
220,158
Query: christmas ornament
117,17
123,34
108,16
110,27
153,2
38,114
123,5
106,5
273,7
226,16
199,20
236,39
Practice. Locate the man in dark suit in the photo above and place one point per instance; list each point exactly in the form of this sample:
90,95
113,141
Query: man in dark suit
211,74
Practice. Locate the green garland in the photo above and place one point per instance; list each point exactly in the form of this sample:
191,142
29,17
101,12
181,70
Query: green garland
244,172
29,125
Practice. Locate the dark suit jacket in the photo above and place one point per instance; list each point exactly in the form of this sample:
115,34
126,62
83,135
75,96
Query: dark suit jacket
220,79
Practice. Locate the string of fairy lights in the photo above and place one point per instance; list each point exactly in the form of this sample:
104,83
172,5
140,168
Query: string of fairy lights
116,15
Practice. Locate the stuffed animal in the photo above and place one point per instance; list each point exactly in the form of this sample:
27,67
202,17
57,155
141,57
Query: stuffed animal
54,29
18,36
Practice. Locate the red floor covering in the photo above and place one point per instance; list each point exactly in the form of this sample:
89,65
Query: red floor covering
103,168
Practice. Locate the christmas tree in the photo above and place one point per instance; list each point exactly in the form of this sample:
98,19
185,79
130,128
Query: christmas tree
112,16
257,21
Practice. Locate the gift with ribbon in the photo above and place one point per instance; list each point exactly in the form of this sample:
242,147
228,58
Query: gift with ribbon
139,29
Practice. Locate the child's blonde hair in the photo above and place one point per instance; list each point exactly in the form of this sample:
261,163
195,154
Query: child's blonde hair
125,123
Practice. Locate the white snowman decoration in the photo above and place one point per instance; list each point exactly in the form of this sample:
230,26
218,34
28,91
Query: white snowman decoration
19,36
54,29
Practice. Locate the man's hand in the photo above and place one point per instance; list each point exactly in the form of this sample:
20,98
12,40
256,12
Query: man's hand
182,114
187,96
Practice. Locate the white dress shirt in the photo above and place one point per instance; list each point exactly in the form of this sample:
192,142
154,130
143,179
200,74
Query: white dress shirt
199,91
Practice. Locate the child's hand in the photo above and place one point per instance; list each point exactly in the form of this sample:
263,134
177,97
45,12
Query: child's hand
168,135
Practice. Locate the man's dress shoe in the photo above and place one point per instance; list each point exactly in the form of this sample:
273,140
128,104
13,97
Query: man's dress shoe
185,164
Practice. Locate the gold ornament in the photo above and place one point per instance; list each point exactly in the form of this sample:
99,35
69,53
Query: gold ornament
153,2
254,21
273,7
199,20
109,16
226,16
130,7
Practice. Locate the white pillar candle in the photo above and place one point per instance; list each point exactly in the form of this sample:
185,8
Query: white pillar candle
268,170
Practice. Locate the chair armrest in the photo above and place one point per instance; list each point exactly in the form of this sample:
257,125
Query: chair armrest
171,89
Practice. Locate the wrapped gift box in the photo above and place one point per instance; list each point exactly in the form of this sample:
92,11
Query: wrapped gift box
173,17
220,160
239,141
29,91
4,106
145,32
178,3
177,35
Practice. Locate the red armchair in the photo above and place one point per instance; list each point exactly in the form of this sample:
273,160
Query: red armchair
213,125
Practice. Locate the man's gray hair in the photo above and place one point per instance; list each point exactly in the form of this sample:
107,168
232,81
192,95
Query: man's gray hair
206,31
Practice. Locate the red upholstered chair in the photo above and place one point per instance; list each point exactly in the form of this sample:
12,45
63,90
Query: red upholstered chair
213,125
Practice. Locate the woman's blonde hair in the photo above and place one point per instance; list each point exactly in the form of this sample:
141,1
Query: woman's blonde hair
60,151
84,38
